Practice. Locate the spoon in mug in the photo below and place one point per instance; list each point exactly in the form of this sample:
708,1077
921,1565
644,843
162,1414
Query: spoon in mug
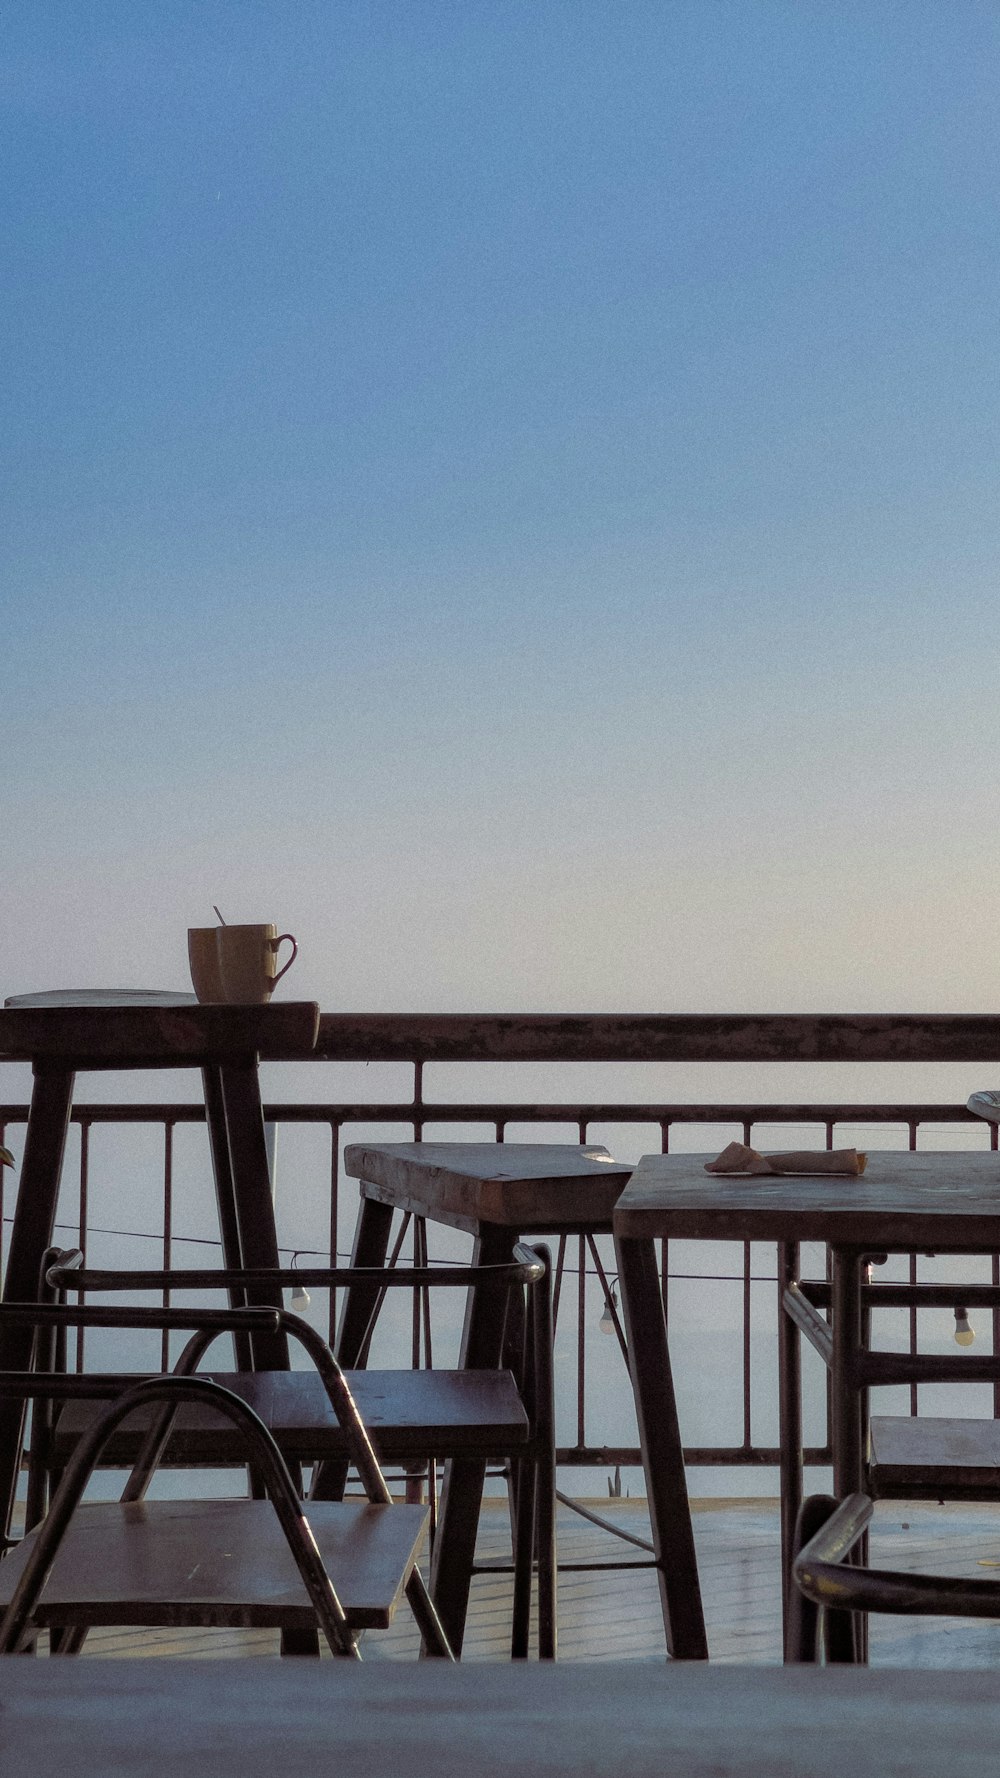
218,915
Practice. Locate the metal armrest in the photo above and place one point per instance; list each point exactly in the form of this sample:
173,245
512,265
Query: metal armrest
824,1576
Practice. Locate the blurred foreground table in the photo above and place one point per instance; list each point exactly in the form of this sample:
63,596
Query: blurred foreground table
250,1719
63,1034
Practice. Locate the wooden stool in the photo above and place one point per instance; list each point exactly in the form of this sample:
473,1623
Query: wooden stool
495,1192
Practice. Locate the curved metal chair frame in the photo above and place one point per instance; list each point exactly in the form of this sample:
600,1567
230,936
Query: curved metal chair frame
51,1319
829,1590
532,1464
16,1626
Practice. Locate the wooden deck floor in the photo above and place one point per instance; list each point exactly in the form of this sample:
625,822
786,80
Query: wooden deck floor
611,1614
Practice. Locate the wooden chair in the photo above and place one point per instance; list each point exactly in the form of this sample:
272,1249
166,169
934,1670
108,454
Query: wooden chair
944,1457
909,1456
882,1456
830,1592
266,1563
410,1415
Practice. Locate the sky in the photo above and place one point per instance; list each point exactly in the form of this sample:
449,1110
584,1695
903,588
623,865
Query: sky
507,492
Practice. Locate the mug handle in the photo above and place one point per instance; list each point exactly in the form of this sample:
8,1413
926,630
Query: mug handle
275,942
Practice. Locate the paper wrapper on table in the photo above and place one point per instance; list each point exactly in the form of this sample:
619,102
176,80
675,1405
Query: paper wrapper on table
739,1158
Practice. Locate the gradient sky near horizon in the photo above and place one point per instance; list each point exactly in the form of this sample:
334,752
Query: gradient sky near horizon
507,491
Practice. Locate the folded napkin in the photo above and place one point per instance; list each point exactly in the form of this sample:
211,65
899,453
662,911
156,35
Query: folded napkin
738,1158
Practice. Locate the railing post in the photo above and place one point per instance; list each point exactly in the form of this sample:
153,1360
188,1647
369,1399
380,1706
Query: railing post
168,1228
83,1219
334,1223
914,1399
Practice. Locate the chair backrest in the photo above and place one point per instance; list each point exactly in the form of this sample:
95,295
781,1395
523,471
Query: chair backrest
529,1268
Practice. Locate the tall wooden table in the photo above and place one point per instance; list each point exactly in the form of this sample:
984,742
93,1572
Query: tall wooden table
63,1035
496,1192
913,1203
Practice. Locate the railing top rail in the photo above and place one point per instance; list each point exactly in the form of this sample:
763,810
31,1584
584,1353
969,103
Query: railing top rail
659,1037
286,1028
488,1111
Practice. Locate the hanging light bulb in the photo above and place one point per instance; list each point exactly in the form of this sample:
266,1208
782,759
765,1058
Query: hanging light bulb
607,1321
964,1334
300,1298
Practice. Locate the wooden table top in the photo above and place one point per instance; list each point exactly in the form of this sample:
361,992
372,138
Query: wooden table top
518,1185
161,1031
906,1199
250,1719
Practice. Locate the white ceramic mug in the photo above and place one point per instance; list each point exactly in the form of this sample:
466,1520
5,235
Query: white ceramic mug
248,962
203,957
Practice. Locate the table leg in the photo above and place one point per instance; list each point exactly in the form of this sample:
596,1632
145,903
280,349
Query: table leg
848,1408
789,1415
225,1198
246,1200
462,1489
847,1415
662,1453
254,1203
31,1234
371,1244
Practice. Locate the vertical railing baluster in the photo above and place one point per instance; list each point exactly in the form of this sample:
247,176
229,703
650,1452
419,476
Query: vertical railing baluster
665,1244
168,1228
581,1335
995,1320
334,1221
418,1099
914,1400
747,1435
745,1337
83,1220
419,1259
995,1277
425,1300
827,1271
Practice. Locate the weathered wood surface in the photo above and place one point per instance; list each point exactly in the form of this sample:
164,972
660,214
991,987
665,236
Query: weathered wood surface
221,1562
408,1413
902,1200
660,1037
924,1458
249,1719
155,1036
518,1185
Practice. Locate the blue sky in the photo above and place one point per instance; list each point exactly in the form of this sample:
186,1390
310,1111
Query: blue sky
508,491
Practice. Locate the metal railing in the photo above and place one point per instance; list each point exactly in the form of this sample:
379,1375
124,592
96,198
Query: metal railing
579,1258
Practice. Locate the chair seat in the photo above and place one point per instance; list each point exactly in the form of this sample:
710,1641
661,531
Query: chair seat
917,1458
220,1562
408,1414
